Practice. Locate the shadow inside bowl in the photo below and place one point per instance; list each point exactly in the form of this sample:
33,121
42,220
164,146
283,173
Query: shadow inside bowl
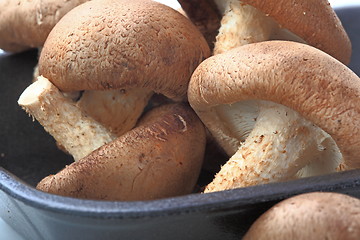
26,149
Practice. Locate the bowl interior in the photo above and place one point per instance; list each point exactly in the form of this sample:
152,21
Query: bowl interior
26,150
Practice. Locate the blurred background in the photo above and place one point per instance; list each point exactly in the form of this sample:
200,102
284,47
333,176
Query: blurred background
340,3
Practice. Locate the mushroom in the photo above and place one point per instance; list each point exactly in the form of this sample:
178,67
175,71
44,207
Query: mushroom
250,21
118,53
160,158
78,133
26,24
316,215
275,107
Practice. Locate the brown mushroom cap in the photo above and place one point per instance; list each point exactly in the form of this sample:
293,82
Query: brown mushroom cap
316,215
26,24
123,44
162,157
303,78
314,21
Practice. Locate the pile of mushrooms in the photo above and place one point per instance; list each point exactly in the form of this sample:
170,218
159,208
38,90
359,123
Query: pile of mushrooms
280,109
316,215
118,54
268,142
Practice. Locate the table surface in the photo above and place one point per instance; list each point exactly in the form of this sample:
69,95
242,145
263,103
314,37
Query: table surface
6,232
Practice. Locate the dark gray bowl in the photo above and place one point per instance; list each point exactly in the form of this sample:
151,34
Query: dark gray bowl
27,154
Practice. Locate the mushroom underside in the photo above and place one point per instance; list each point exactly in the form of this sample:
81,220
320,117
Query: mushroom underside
243,24
268,142
232,23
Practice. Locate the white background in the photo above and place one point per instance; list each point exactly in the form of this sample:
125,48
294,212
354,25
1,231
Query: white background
7,233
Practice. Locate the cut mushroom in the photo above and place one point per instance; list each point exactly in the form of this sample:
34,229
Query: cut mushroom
270,80
161,157
26,24
78,133
250,21
150,48
317,215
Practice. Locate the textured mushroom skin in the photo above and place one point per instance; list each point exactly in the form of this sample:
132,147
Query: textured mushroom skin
310,216
77,133
305,79
132,43
26,24
314,21
162,157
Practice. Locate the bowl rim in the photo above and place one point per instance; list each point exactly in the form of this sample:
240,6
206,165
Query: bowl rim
347,182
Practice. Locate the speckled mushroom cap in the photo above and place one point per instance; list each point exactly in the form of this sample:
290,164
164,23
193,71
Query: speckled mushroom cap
312,20
123,44
317,215
26,24
161,157
303,78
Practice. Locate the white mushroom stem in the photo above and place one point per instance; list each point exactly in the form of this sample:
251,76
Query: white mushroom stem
107,114
117,110
280,145
78,133
243,24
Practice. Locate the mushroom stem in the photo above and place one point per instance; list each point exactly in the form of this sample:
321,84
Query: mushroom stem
110,107
243,24
78,133
117,110
97,118
280,144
